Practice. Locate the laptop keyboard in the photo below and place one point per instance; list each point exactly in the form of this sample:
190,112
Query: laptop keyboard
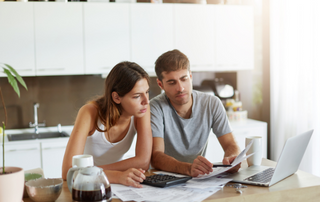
262,177
160,180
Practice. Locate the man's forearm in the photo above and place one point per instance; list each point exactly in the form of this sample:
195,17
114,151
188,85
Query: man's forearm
161,161
232,150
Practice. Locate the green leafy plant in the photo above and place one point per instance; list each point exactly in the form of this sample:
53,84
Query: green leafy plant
13,79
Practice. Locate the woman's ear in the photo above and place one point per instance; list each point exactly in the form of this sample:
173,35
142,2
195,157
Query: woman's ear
116,97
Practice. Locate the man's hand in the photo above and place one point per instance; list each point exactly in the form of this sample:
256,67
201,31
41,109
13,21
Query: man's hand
200,166
228,160
132,177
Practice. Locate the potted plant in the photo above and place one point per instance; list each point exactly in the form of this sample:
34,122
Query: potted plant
11,178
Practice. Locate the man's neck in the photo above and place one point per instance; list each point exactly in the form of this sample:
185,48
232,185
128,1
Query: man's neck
184,110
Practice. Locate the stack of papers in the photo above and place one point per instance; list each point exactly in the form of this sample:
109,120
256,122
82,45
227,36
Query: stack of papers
197,189
193,190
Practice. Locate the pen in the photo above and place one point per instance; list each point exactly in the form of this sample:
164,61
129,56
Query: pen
221,165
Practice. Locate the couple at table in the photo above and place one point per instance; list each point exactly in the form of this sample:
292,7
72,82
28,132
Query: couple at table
172,129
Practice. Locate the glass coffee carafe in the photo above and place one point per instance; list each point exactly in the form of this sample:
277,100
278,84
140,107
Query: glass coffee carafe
91,184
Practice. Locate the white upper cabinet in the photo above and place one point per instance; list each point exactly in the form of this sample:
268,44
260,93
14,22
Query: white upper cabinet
194,34
234,38
59,38
107,36
55,38
17,37
151,33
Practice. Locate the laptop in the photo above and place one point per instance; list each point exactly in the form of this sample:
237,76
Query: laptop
287,165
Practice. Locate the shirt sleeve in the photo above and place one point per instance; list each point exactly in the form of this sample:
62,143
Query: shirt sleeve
157,122
220,124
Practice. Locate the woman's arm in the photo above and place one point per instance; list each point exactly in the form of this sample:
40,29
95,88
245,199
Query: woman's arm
82,128
143,147
131,177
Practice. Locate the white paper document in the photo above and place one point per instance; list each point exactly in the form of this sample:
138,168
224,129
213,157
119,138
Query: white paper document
196,189
174,193
192,190
216,171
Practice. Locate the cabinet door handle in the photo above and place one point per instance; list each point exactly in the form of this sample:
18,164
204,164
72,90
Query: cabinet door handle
14,150
27,70
50,69
47,148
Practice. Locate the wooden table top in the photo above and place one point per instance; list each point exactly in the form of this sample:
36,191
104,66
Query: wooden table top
300,186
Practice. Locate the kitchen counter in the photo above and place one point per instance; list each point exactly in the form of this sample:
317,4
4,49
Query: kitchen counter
301,186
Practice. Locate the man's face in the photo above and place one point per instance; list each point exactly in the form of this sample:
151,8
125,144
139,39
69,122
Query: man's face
177,86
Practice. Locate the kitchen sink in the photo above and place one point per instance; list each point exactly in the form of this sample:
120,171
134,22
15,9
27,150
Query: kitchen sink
34,136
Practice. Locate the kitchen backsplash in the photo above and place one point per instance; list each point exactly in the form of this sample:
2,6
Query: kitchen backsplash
60,97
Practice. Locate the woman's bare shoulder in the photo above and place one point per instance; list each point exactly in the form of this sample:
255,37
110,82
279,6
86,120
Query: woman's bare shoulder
89,109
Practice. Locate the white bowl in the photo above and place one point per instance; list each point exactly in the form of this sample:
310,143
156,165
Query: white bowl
44,189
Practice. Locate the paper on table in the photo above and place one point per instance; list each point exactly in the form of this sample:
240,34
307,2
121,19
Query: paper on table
196,189
199,183
175,193
207,183
193,190
242,156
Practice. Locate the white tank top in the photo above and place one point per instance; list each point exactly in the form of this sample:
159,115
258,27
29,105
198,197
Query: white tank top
103,151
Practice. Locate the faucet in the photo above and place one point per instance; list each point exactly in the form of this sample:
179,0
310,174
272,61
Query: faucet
36,125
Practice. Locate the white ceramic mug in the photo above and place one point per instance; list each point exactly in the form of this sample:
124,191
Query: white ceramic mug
83,160
255,148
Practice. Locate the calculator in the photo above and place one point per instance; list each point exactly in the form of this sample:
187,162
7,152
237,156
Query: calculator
161,180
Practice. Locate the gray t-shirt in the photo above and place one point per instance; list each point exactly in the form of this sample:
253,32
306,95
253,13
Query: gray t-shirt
185,139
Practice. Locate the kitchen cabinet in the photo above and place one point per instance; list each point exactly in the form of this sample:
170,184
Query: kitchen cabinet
23,154
234,29
30,154
52,157
45,153
17,46
55,38
241,130
58,38
151,33
106,36
194,34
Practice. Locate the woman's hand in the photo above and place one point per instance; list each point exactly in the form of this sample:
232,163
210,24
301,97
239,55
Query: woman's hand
132,177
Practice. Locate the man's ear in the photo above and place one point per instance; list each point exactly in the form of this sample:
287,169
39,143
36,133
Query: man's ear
160,84
116,97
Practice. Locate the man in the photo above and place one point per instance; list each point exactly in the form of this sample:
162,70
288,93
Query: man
181,120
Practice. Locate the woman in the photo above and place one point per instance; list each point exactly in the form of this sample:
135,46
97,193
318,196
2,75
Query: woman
105,127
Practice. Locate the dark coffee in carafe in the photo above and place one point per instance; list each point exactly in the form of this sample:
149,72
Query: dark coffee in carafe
94,195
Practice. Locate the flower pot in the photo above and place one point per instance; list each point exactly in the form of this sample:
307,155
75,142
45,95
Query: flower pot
12,184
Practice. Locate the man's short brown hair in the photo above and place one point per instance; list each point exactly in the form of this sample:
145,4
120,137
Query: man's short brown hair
171,61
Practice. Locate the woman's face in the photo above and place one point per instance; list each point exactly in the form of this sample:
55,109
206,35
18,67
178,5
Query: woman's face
135,103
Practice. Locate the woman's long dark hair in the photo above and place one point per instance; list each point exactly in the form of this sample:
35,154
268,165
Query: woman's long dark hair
121,79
